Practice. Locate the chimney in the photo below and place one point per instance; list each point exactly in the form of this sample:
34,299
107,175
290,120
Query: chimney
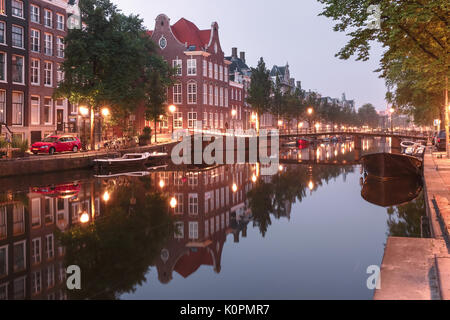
234,52
243,56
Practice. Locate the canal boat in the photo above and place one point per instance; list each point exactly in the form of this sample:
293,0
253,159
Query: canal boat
390,165
391,192
130,161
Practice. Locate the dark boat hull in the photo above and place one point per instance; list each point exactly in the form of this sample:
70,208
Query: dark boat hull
391,192
389,165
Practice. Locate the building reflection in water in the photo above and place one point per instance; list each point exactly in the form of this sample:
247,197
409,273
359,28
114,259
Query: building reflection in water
117,228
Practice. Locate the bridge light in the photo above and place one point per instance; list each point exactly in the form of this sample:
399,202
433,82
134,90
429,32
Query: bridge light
311,185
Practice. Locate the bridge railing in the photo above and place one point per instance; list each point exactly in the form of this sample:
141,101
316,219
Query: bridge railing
380,132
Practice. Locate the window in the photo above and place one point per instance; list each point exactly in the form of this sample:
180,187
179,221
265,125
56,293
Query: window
210,70
34,14
206,228
19,256
192,67
177,93
48,116
35,203
17,36
36,251
221,73
2,32
3,261
211,95
193,204
17,114
178,120
216,120
60,47
49,246
35,71
36,282
51,276
205,68
177,64
59,73
192,119
226,74
226,98
17,69
192,93
19,288
3,286
17,8
216,71
2,66
35,40
205,121
3,223
216,96
221,121
179,230
193,230
48,74
60,21
205,94
2,7
221,97
179,209
48,18
48,44
35,119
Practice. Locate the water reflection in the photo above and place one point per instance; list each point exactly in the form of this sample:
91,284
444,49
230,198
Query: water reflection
168,221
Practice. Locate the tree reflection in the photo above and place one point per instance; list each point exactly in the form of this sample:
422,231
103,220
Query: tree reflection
405,220
115,252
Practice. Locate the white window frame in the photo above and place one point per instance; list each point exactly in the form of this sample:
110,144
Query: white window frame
13,9
221,97
177,93
179,209
205,94
36,255
193,230
22,107
35,68
33,13
60,22
205,68
192,119
192,92
4,32
36,210
48,44
226,79
178,120
23,69
177,64
36,286
50,112
192,67
50,251
60,47
179,226
221,73
48,18
193,204
35,37
5,63
24,242
216,96
210,70
22,37
48,73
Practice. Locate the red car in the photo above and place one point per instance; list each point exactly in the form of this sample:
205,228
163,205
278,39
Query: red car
53,144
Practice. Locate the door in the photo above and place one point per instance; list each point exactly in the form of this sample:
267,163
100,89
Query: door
60,120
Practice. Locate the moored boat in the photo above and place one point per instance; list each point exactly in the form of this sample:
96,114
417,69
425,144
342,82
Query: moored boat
129,160
390,165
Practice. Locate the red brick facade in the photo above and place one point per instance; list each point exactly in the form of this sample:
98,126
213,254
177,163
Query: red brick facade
201,92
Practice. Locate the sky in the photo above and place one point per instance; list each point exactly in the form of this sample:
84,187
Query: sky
281,31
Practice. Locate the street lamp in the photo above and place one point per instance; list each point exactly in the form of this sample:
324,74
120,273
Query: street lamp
106,196
173,203
233,116
391,111
310,113
84,112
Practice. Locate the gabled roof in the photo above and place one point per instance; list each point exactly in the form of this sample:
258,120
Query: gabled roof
187,32
189,263
278,71
237,65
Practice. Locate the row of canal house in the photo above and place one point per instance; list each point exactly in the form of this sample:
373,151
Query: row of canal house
31,52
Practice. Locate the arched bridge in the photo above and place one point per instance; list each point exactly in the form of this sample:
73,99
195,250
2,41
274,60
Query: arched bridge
413,135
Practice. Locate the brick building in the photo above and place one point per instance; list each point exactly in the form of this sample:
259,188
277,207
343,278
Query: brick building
31,51
201,91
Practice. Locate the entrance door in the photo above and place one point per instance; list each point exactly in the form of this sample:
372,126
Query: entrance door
60,120
36,136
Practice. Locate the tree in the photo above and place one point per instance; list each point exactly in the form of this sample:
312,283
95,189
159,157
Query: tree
415,35
278,102
368,115
260,91
106,60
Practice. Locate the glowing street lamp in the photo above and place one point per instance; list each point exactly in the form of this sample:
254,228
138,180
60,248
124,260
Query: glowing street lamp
84,218
106,196
173,203
311,185
310,111
162,184
254,178
234,188
233,113
105,112
84,111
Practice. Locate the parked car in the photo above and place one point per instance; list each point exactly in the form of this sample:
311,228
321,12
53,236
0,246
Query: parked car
440,140
56,143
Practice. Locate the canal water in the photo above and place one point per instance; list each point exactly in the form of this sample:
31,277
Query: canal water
223,232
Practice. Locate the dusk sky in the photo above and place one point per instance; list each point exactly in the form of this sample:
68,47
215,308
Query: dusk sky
280,31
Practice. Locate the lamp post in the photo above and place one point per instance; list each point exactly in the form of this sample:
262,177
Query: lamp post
84,112
391,112
310,113
233,117
105,113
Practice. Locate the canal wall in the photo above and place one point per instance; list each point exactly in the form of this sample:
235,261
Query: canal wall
419,269
66,162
